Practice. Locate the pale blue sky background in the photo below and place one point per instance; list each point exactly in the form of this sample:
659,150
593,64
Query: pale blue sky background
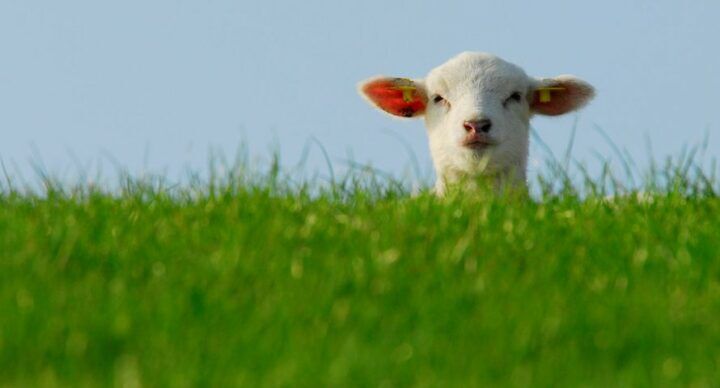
157,83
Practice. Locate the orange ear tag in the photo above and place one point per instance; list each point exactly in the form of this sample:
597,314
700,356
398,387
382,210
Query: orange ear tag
545,95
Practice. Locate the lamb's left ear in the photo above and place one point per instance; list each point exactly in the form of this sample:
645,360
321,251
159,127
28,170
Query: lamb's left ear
397,96
559,95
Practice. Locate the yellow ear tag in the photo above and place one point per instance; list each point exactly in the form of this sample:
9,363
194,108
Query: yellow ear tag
545,95
407,87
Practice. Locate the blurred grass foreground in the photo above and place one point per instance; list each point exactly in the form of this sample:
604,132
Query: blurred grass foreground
256,280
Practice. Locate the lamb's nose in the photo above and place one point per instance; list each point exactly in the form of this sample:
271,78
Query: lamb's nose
482,125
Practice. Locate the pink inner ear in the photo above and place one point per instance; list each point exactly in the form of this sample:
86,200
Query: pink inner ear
396,96
573,95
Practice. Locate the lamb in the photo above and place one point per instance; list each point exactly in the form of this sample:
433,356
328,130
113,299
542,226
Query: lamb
477,109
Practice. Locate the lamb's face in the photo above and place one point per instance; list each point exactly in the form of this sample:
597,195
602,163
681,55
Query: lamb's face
477,116
477,109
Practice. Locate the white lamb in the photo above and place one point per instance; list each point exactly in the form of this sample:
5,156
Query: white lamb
477,109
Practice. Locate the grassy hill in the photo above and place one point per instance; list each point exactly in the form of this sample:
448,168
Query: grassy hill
264,285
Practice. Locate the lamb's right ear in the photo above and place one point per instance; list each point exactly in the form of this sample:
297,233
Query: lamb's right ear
397,96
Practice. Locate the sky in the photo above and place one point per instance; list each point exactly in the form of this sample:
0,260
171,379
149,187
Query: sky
159,86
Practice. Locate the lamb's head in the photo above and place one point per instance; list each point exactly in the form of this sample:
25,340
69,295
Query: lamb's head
477,109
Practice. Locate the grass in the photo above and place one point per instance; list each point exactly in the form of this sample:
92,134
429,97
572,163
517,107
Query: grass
245,281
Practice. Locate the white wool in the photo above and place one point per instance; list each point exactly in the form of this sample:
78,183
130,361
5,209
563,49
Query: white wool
477,86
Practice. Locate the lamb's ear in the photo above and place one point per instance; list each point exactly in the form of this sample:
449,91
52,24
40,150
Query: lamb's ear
397,96
560,95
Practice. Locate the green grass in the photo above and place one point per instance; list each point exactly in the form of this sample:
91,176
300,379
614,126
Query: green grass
249,283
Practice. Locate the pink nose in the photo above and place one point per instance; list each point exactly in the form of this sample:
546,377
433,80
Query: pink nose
477,126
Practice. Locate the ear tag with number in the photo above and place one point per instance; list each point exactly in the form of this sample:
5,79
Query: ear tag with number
407,87
545,93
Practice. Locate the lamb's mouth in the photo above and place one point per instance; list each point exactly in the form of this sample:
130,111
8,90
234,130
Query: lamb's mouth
478,142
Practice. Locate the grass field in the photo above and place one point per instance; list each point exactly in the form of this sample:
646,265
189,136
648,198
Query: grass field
268,284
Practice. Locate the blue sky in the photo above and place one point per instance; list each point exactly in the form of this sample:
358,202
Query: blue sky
156,84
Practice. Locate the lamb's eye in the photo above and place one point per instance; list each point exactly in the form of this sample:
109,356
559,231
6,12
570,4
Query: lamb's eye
513,97
438,99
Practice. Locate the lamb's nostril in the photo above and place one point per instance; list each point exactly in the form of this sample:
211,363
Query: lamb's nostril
482,125
485,125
